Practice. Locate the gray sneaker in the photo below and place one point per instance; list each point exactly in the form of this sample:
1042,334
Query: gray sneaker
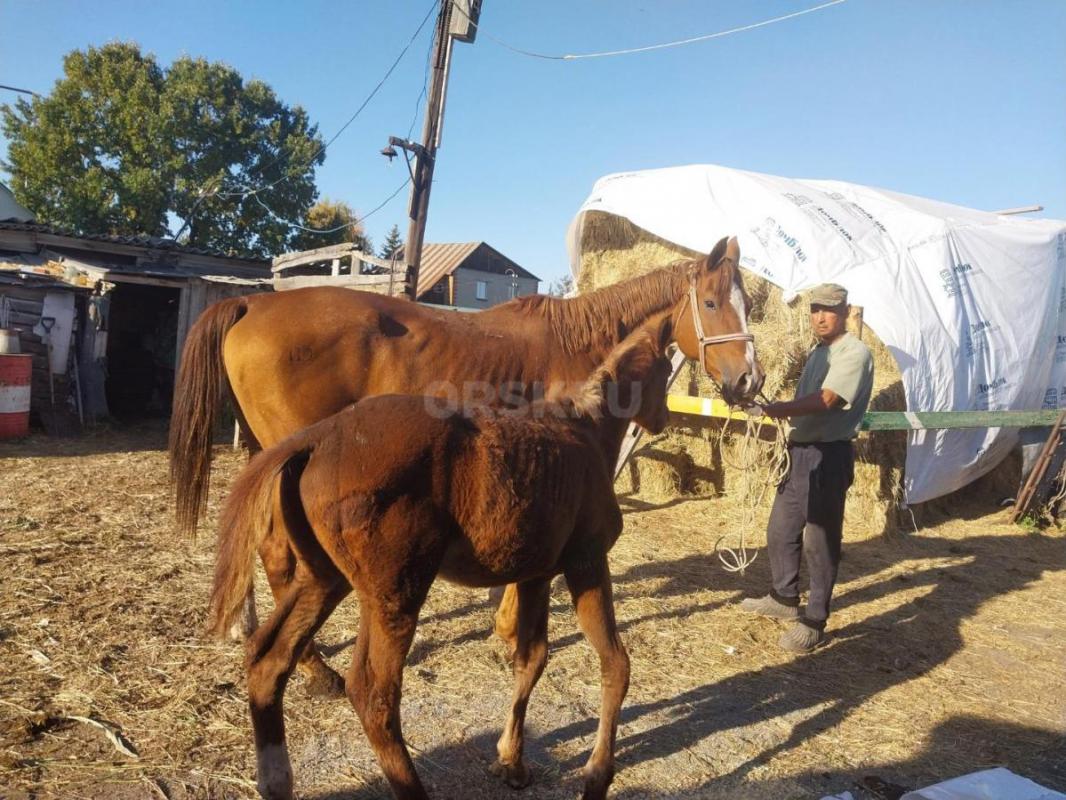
800,638
769,607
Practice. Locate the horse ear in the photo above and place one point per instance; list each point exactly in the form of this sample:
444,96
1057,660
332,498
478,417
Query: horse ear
717,253
732,250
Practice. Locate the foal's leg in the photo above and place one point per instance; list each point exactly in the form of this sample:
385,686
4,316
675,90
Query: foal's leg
245,626
281,565
272,653
590,588
530,656
374,684
507,618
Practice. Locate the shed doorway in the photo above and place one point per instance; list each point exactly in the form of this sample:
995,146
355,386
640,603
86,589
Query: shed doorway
142,334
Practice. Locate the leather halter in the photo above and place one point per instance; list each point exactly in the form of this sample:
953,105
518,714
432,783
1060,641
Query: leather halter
702,338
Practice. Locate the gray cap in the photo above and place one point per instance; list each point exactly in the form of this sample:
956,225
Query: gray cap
829,295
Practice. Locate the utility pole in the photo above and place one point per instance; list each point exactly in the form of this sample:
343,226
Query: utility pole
457,20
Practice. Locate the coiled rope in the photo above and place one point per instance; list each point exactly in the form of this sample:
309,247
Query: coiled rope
751,453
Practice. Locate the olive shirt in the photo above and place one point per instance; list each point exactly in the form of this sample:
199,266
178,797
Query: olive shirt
846,368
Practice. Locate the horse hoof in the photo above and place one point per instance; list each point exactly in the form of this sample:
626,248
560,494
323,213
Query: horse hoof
517,776
325,683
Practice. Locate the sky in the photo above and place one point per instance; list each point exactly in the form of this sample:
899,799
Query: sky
963,101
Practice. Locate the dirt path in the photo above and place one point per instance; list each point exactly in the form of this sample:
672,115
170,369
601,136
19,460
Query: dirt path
948,654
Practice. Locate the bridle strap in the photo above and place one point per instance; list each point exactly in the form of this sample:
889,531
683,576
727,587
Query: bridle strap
702,338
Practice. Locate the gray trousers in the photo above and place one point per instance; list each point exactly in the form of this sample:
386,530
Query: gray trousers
807,522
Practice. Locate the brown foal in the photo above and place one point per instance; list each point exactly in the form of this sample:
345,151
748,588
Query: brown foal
394,491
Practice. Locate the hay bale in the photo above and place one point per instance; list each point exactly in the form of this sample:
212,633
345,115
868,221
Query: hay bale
614,249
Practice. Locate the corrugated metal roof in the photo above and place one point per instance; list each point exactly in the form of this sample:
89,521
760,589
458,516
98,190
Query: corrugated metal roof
141,240
439,260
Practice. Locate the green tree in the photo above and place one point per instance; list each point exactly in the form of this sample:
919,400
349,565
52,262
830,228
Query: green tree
124,146
337,218
393,243
562,286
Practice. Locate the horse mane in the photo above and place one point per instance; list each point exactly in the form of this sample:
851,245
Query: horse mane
578,322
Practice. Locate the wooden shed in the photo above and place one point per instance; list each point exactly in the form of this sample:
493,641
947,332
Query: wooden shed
120,307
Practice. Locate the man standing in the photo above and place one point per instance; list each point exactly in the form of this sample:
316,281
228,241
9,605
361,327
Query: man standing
808,513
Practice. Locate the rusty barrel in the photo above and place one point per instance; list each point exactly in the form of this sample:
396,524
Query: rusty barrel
15,373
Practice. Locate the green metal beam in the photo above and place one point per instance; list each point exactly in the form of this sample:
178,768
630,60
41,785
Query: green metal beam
695,407
919,420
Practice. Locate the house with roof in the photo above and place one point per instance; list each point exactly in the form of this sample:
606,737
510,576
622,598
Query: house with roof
471,275
468,275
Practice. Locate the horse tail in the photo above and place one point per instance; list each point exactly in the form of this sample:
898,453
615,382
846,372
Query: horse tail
197,400
247,517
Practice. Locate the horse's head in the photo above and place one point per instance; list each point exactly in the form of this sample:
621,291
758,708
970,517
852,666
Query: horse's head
711,323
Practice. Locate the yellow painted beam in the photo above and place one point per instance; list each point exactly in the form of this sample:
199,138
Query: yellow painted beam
708,407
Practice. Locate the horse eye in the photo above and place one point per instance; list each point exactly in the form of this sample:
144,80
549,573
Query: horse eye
709,304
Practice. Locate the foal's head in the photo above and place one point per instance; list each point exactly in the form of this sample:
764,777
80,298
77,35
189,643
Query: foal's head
631,383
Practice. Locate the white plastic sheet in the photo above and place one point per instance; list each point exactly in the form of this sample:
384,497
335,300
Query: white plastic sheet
972,305
989,784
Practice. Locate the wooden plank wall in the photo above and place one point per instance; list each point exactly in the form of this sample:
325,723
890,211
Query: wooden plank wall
196,296
26,304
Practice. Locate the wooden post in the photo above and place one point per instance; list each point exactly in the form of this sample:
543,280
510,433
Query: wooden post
335,267
425,158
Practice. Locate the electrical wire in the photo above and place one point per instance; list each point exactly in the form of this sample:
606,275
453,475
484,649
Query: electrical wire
324,231
16,89
358,111
647,48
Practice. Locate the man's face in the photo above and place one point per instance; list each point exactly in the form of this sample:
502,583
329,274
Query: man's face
828,322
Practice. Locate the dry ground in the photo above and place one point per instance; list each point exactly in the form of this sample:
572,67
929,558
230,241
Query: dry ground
946,656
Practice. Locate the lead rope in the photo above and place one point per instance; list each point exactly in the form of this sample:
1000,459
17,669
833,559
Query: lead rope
748,455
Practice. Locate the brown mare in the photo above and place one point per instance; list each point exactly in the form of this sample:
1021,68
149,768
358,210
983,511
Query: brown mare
390,493
293,358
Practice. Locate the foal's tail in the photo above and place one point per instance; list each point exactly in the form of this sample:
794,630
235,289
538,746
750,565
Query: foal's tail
247,517
197,400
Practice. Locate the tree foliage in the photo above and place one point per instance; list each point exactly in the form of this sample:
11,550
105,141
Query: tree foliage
124,146
336,217
393,243
562,286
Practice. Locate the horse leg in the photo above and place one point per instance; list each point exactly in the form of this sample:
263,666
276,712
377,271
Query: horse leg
374,685
281,565
590,588
530,656
507,618
245,626
272,652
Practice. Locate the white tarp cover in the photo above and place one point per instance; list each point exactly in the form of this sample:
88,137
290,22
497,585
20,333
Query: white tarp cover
972,305
990,784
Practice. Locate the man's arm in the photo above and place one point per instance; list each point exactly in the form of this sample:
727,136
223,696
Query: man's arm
816,403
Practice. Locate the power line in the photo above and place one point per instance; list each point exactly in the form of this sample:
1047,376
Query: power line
353,117
647,48
16,89
356,221
246,191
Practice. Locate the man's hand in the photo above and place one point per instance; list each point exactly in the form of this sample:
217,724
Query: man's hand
754,410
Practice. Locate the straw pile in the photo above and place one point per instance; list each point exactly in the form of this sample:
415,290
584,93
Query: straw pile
689,461
945,656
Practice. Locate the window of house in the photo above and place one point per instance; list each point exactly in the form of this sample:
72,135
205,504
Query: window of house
482,290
